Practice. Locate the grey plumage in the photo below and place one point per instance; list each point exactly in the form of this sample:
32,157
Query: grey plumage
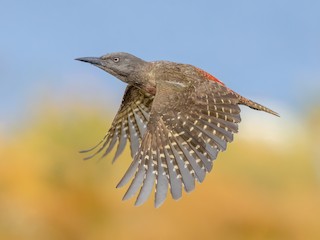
177,119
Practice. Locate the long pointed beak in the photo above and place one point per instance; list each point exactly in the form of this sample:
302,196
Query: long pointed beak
92,60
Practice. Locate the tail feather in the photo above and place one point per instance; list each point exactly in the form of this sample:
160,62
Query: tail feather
256,106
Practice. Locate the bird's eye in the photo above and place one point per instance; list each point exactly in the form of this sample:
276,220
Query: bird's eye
116,59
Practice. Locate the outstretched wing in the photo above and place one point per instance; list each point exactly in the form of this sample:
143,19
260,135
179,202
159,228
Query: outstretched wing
129,123
188,126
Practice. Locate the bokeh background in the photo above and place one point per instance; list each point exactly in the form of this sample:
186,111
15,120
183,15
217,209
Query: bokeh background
266,186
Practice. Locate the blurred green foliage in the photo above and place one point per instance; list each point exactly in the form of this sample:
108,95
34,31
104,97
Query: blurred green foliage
255,191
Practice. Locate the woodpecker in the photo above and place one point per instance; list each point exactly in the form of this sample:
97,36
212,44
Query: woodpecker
176,117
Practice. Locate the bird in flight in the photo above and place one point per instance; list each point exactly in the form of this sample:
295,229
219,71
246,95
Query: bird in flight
176,117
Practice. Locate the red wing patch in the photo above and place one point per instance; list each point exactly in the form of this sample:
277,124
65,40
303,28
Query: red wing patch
209,76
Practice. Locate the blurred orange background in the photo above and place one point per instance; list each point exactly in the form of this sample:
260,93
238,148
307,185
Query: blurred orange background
266,186
258,189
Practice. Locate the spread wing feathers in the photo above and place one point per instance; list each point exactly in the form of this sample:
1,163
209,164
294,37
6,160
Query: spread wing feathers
129,123
184,135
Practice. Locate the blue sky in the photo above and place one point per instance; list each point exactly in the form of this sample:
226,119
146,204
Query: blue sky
265,50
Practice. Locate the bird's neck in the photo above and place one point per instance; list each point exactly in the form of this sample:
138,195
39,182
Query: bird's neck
144,78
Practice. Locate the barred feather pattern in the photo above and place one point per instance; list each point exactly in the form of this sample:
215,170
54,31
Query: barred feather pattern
183,139
129,123
177,119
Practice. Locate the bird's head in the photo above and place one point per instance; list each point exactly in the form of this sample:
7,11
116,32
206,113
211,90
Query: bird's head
123,66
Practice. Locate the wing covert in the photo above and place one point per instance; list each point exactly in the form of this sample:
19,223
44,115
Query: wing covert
188,126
